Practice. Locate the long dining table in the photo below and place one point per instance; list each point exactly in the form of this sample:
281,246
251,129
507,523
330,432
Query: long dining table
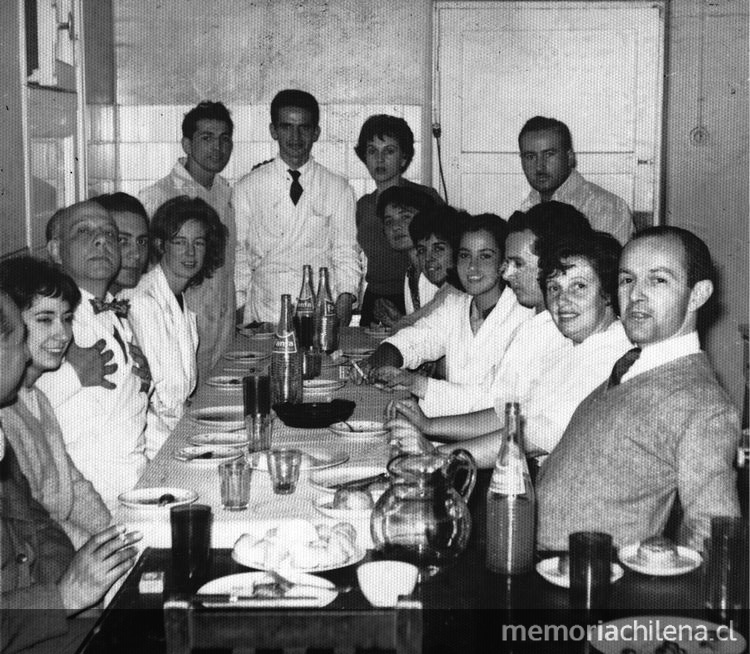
465,606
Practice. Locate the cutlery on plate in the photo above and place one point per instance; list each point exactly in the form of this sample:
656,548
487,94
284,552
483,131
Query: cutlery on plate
192,457
287,584
227,598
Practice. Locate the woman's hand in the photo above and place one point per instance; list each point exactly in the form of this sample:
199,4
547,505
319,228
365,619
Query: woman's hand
385,312
410,410
407,437
102,560
392,377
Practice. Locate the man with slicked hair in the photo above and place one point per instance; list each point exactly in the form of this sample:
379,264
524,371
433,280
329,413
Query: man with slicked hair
661,427
549,163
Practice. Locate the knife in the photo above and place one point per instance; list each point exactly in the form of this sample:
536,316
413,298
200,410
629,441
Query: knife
226,598
356,484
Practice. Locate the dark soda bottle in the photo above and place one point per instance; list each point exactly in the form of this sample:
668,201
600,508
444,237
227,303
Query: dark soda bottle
326,320
304,313
286,359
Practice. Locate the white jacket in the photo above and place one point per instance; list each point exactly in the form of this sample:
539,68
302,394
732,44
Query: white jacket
168,337
470,359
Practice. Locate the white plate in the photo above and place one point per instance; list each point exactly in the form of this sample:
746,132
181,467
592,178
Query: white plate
233,382
323,503
688,560
148,498
548,568
649,634
360,428
325,479
219,454
246,356
221,417
227,439
322,385
287,568
358,353
321,590
312,459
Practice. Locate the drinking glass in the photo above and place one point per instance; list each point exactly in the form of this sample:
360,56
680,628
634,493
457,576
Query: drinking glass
191,541
725,581
590,569
235,484
256,397
284,466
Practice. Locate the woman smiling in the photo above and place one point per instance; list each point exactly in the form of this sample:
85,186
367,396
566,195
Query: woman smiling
187,246
47,299
471,329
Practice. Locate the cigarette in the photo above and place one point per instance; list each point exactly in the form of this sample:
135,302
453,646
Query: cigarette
358,369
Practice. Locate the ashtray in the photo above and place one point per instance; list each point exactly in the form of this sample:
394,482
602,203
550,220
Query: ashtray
312,415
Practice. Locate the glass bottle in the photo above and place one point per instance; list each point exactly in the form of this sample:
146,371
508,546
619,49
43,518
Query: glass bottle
304,313
326,320
286,359
511,504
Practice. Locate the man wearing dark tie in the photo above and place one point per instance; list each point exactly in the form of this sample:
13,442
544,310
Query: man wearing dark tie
291,211
661,426
103,427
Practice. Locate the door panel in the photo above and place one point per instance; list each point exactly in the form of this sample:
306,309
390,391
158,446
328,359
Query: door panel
595,66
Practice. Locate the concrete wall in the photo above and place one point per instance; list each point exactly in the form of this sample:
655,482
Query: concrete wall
361,57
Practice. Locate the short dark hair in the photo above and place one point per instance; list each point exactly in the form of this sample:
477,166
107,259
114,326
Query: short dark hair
541,124
489,222
698,263
206,110
294,98
382,125
121,202
549,221
441,220
601,250
6,304
25,277
403,196
173,214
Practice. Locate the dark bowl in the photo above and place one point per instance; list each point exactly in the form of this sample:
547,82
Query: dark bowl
312,415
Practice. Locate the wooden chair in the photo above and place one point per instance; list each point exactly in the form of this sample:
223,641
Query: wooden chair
188,626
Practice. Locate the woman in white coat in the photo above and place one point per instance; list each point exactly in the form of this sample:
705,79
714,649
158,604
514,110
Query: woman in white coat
187,242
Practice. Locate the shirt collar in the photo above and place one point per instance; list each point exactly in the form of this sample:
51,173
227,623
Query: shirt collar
657,354
568,188
188,181
304,169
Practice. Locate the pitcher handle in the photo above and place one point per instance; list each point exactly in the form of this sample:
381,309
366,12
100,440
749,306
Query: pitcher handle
461,459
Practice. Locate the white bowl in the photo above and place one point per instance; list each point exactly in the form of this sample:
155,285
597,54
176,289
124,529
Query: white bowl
382,582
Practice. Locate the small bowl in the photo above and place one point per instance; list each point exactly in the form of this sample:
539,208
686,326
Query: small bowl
312,415
383,582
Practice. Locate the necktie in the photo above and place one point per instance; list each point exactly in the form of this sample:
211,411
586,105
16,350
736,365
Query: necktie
295,190
622,365
412,274
120,307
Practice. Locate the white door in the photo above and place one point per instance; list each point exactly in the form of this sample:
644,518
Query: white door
597,66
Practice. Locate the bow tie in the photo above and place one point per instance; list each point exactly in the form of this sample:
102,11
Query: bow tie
120,307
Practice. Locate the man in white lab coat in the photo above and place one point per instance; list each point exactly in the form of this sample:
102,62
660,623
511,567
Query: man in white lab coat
207,141
549,164
103,425
292,211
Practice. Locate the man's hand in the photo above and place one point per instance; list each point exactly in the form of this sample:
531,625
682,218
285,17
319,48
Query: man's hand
411,411
92,363
407,437
344,308
141,368
103,559
386,312
396,377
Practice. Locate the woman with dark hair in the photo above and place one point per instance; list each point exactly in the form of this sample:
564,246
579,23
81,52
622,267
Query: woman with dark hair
187,245
578,277
471,329
47,298
386,147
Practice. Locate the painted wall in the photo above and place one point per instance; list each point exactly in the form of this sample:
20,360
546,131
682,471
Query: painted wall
361,57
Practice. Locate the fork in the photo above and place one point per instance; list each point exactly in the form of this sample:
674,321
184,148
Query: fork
287,584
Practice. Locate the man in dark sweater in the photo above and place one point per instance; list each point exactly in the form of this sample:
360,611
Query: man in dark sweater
661,425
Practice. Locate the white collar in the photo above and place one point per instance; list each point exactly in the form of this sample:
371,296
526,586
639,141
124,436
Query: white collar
657,354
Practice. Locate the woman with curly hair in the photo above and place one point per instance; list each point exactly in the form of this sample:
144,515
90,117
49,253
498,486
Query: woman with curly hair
187,242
